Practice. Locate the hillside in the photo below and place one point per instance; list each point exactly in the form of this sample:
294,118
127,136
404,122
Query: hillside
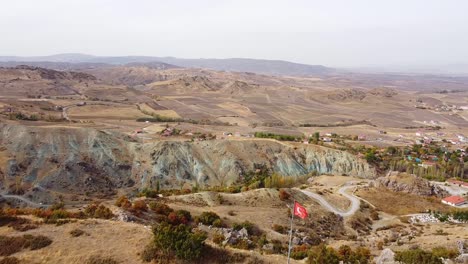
70,160
271,67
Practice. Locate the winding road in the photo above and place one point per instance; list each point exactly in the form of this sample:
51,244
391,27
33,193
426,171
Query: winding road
355,201
21,198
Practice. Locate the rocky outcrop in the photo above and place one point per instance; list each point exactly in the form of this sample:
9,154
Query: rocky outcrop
387,256
87,160
409,183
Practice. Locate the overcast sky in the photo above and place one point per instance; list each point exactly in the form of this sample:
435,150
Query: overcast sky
338,33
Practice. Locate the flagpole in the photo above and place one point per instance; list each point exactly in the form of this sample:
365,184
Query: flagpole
290,234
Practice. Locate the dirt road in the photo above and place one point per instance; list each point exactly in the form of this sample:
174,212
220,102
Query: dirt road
355,201
21,198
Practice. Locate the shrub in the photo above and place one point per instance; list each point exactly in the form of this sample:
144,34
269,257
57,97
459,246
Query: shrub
179,217
279,181
374,215
284,195
232,213
323,254
101,260
299,252
276,136
140,206
98,211
361,255
179,241
279,228
250,227
37,242
10,260
17,223
76,232
150,253
207,218
160,208
278,247
380,245
150,193
416,256
57,206
11,245
218,238
447,253
243,244
123,202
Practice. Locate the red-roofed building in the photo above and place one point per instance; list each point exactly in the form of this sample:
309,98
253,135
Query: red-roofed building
459,183
454,200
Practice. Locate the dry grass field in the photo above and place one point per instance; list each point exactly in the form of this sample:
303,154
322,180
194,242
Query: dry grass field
397,203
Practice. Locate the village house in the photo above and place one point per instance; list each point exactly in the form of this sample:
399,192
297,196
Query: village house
454,200
427,164
326,139
459,183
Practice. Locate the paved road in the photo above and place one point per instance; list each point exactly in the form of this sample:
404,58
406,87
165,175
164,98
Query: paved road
355,201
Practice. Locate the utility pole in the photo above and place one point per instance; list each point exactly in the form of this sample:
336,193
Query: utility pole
290,234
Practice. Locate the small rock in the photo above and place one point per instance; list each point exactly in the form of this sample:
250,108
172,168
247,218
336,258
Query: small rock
296,241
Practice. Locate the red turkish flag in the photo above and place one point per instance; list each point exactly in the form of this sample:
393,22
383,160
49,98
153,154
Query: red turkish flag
300,210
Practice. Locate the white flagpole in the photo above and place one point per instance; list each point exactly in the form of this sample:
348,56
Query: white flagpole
290,233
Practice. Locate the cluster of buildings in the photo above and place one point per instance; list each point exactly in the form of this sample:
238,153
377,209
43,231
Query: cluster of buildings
459,139
447,108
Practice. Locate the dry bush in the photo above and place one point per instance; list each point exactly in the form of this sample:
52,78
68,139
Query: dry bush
10,260
243,244
11,245
380,245
95,210
360,222
284,195
101,260
374,215
77,232
218,238
280,229
300,252
123,202
160,208
140,206
231,213
392,226
17,223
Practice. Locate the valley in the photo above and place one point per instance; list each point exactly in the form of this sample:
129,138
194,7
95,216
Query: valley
123,146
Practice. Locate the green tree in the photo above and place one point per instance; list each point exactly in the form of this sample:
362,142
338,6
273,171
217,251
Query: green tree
417,256
179,241
322,254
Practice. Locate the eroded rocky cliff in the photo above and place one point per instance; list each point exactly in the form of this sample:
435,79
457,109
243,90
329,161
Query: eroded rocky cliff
80,160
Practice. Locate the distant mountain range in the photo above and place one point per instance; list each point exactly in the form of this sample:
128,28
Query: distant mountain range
77,60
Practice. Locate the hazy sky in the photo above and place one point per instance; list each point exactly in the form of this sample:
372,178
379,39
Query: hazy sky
338,33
